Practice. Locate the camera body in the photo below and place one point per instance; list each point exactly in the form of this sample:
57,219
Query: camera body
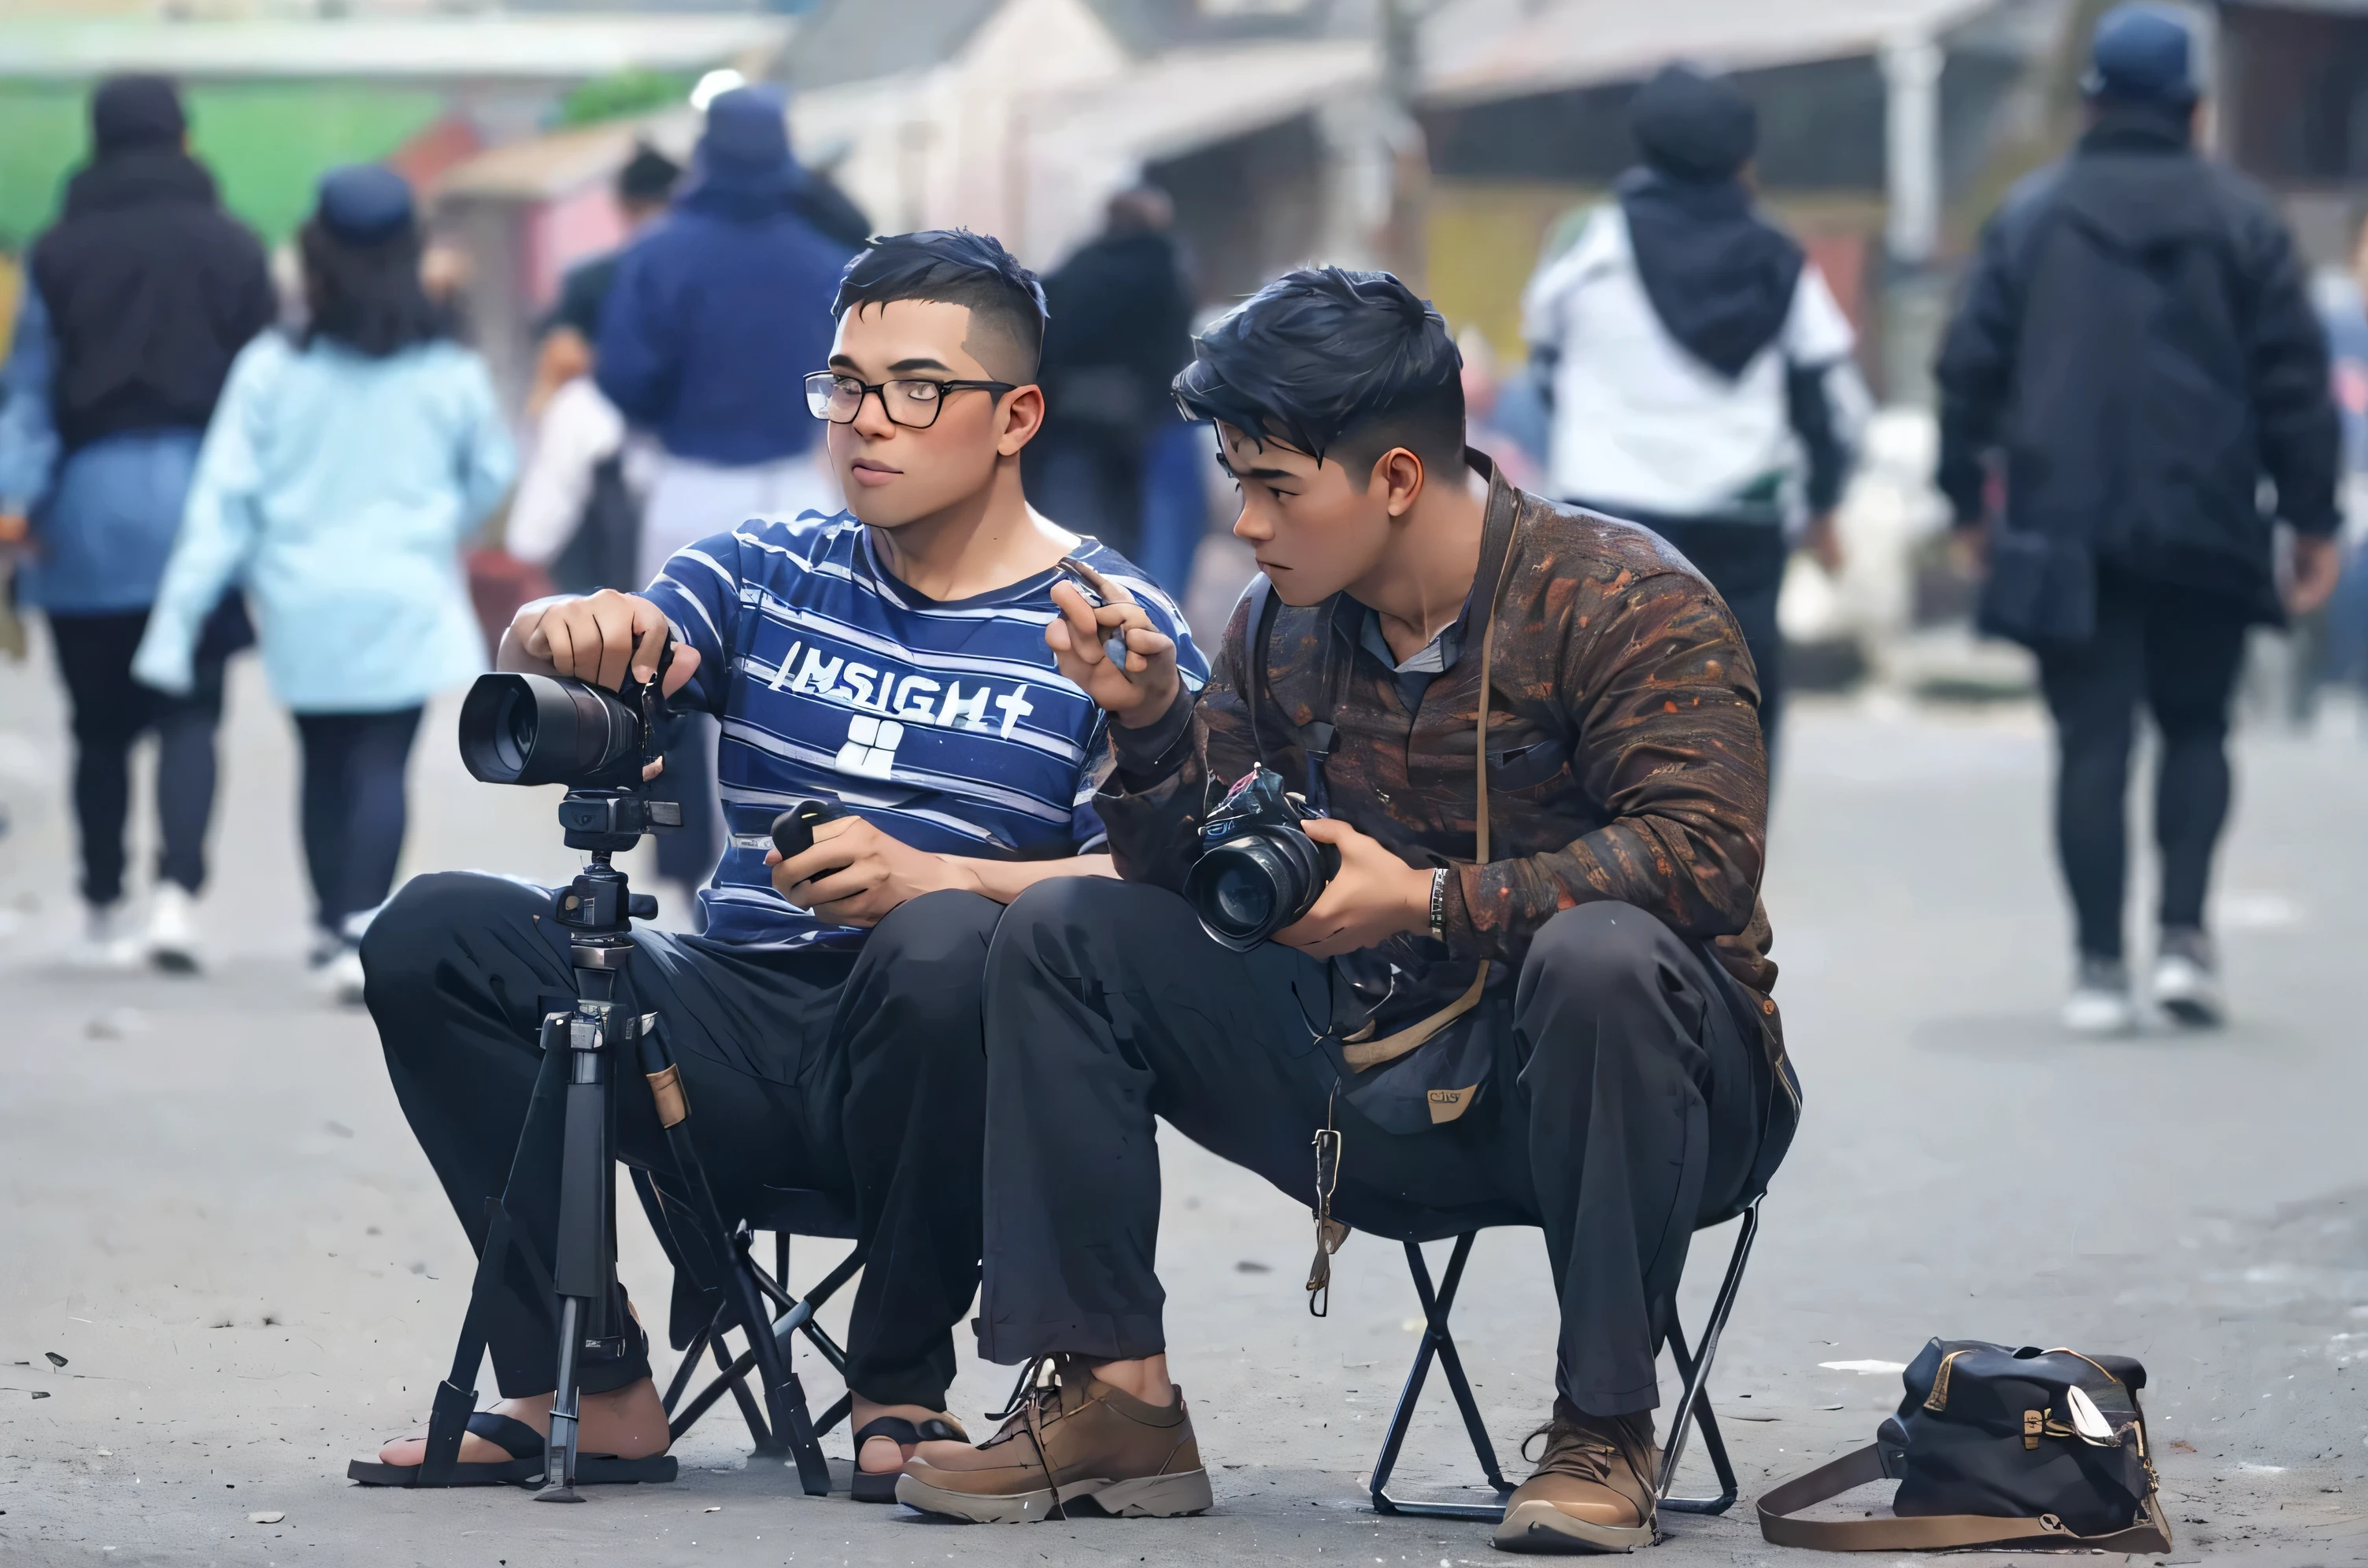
1258,871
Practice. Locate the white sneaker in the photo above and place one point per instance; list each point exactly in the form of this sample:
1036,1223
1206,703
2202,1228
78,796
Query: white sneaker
2184,984
340,979
2100,1004
106,939
171,941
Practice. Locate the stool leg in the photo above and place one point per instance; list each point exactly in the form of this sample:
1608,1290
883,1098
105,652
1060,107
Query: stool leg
1693,1407
1437,1341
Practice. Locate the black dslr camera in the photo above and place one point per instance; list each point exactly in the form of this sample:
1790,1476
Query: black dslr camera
524,729
1257,872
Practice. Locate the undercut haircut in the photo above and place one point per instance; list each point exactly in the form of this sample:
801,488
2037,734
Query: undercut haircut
953,266
1334,362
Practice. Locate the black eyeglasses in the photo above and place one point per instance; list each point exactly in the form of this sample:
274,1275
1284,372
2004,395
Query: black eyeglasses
911,401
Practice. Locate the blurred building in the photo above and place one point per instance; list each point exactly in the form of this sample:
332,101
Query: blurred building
1019,118
2291,90
274,100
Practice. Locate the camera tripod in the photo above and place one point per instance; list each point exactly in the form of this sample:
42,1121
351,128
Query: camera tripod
582,1050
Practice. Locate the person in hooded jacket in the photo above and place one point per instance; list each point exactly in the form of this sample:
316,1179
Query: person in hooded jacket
343,470
1120,328
139,298
2134,354
1699,368
715,312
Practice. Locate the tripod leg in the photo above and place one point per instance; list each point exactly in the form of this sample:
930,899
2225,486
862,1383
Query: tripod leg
582,1270
784,1395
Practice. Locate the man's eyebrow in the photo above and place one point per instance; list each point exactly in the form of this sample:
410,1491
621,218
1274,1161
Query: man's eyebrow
843,361
921,364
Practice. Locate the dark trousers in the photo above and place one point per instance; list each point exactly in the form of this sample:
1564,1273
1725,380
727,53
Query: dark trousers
111,711
859,1074
1745,561
353,810
2179,652
1628,1115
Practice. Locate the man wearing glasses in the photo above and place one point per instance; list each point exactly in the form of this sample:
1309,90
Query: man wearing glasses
891,659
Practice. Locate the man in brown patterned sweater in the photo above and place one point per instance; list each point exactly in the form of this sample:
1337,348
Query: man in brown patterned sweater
1549,1008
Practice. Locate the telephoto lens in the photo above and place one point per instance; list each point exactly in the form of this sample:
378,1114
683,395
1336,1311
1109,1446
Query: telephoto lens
522,729
1258,871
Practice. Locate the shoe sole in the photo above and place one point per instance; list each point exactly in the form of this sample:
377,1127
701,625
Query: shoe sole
2191,1012
1541,1527
1151,1498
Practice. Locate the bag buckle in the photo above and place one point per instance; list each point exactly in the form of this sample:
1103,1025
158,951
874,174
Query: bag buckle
2033,1423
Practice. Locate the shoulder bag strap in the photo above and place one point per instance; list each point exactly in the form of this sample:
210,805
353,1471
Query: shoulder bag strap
1931,1532
1373,1053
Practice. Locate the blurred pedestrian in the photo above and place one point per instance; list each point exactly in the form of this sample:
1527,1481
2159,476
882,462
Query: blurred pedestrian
2343,311
1700,369
578,508
1116,458
343,470
2136,347
714,314
140,297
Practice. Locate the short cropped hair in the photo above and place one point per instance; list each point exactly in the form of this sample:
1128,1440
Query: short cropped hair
951,266
1330,360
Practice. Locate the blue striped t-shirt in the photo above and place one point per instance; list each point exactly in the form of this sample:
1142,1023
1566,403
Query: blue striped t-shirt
943,723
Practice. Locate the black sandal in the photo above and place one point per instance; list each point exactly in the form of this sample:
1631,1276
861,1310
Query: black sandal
524,1445
879,1485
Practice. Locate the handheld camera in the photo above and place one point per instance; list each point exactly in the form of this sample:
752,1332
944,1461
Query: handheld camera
1257,872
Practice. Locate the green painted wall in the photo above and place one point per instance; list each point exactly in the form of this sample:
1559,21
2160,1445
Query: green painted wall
265,141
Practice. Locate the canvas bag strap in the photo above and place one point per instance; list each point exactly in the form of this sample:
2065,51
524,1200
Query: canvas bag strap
1931,1532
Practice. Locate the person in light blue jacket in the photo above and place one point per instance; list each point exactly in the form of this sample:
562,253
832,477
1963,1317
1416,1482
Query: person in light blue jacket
343,468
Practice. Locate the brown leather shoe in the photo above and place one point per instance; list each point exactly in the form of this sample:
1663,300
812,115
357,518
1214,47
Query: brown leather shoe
1069,1440
1593,1488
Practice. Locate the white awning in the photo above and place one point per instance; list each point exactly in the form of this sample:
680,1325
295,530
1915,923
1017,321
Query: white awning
560,48
1481,50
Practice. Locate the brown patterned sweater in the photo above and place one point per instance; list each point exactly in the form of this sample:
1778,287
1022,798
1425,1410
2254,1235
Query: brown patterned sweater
1624,737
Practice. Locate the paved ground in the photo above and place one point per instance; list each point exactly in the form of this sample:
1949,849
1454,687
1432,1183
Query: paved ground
214,1216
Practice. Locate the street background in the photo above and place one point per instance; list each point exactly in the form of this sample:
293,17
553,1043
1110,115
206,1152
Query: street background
214,1212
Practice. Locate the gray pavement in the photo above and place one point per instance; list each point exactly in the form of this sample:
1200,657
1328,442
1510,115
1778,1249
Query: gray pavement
210,1207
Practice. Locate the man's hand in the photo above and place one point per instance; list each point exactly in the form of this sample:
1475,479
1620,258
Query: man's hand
1969,547
1375,896
2317,564
1824,543
1135,696
14,526
855,874
598,638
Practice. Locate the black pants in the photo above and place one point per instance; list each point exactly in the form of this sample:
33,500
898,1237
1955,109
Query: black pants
354,810
1629,1116
856,1074
1745,561
2178,650
111,711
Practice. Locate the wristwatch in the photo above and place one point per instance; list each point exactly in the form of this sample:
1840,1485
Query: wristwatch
1439,905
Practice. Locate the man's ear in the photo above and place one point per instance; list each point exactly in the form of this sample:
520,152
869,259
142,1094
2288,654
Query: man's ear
1023,416
1397,481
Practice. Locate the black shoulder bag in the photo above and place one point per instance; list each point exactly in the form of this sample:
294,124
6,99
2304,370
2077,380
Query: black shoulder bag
1993,1447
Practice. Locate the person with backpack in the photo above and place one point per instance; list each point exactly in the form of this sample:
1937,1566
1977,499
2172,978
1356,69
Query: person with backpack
2133,355
138,299
1700,369
343,470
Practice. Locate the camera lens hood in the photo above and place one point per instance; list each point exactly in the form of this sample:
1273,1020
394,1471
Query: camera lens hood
528,728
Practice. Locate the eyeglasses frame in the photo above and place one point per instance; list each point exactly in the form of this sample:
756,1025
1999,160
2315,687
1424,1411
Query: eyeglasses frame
880,390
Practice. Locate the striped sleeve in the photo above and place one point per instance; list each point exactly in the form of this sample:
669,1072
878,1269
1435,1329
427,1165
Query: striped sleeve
699,590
